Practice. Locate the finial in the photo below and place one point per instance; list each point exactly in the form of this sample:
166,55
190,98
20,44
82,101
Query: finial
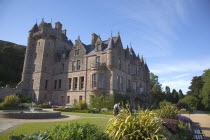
36,21
130,45
43,19
51,20
111,33
78,37
118,33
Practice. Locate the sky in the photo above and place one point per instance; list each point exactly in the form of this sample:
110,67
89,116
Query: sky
172,35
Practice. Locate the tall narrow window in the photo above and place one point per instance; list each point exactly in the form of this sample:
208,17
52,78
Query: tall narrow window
59,84
119,63
78,64
80,98
69,83
73,66
63,66
101,80
98,61
135,86
68,99
75,80
118,82
55,84
93,80
121,83
81,81
76,52
129,83
46,84
129,68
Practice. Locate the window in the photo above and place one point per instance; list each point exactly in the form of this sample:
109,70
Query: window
119,63
76,52
46,83
68,99
141,90
93,80
45,97
59,84
39,43
135,86
98,60
55,84
32,83
35,55
101,80
129,83
73,66
63,55
63,66
118,82
121,83
129,68
80,98
78,64
75,83
134,69
69,83
81,81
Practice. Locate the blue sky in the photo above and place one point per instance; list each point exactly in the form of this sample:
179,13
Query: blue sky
172,35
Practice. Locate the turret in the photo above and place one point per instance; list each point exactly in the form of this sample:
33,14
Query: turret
110,55
58,26
94,38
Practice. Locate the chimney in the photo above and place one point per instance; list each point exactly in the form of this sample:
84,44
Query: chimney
64,32
58,26
94,38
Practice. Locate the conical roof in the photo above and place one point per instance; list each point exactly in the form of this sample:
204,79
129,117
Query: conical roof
111,43
35,28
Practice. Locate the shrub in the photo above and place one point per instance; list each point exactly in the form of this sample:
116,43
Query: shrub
184,119
82,105
183,105
24,99
140,126
44,105
169,112
171,125
184,132
11,100
191,101
164,103
71,131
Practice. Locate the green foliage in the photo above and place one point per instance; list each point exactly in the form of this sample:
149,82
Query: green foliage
120,98
82,105
11,62
71,110
169,112
103,101
182,105
164,103
196,86
70,131
192,101
206,89
139,126
11,100
183,132
24,99
155,89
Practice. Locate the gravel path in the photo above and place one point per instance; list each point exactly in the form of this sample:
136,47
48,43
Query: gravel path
203,120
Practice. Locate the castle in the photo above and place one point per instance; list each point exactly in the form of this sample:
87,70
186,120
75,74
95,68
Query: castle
59,71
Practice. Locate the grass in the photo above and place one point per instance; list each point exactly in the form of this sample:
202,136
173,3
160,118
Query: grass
86,114
30,128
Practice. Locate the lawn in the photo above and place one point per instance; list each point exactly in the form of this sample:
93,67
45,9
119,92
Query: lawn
86,114
30,128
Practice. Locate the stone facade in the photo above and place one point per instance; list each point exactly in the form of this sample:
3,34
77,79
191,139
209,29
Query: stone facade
59,71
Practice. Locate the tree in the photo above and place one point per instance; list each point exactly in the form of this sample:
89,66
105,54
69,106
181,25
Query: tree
196,86
175,96
205,93
168,95
181,95
192,101
155,88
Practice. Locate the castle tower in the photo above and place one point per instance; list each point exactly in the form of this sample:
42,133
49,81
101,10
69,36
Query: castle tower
45,45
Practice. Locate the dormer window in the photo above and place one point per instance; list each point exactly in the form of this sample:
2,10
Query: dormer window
77,52
98,61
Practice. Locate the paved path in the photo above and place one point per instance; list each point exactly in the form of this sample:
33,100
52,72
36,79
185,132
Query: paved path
203,120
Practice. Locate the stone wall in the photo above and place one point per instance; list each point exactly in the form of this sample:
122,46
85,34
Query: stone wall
6,91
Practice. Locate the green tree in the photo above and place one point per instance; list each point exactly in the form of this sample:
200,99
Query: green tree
192,101
196,86
155,88
206,89
175,96
168,94
181,95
